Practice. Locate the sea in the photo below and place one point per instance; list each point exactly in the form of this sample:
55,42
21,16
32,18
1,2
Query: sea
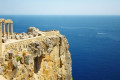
94,41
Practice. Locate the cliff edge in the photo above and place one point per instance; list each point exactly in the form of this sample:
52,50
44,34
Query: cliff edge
36,55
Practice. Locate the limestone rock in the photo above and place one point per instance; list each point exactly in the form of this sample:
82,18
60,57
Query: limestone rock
30,36
24,34
36,56
1,60
17,37
13,36
4,39
6,56
22,60
50,43
28,59
35,49
2,78
1,70
32,30
15,68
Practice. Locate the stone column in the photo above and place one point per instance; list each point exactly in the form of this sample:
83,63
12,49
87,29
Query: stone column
3,29
1,25
11,28
7,30
0,39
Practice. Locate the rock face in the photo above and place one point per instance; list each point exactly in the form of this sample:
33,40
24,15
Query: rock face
41,58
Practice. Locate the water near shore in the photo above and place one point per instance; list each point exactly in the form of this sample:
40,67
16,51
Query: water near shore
94,42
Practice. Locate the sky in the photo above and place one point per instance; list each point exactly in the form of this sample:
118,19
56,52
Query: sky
59,7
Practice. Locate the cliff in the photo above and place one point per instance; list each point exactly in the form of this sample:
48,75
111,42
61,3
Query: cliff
36,55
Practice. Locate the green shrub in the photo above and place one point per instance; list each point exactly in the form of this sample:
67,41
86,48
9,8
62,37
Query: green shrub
7,67
18,58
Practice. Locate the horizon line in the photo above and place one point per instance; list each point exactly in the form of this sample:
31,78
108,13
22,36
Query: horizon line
66,14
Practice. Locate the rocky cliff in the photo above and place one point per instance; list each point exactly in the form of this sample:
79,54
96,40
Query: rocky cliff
36,55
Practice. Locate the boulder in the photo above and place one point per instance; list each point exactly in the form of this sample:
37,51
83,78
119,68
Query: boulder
23,34
28,59
4,39
17,37
32,30
6,56
15,67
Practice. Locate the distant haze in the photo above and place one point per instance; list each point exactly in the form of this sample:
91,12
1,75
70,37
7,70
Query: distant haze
59,7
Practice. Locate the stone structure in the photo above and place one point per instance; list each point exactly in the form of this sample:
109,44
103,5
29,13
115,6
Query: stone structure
2,23
35,55
3,32
1,20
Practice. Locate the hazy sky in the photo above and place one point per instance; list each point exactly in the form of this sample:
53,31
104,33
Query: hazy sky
60,7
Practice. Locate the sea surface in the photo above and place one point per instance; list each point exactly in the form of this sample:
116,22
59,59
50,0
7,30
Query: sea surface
94,41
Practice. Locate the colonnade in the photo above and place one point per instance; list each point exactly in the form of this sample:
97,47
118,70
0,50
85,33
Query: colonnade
2,25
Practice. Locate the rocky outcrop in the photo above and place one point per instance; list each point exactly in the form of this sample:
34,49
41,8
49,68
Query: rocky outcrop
39,58
34,31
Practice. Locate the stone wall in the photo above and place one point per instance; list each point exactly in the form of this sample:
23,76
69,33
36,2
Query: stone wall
43,57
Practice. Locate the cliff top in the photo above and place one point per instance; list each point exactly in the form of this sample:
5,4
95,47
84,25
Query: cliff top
32,33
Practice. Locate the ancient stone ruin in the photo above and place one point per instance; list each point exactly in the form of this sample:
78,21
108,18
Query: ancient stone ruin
35,55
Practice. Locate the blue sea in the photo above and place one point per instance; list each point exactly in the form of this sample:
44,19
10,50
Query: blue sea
94,41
